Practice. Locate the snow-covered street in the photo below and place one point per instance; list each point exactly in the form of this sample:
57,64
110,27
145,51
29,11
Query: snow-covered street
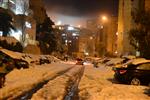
98,84
67,81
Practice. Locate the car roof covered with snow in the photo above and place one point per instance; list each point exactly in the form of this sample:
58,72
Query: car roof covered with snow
114,61
137,61
15,55
129,57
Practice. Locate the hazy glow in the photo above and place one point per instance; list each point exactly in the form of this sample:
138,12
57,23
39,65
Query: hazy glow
104,18
91,38
70,41
79,26
59,23
69,20
116,33
86,53
102,27
66,41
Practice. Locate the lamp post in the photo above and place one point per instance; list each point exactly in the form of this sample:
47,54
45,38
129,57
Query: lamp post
103,35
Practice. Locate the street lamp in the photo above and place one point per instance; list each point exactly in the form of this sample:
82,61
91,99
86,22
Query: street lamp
104,18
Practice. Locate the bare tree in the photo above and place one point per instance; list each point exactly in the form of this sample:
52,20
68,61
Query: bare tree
23,8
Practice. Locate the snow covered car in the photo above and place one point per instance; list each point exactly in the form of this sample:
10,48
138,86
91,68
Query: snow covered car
13,59
44,60
19,63
114,61
135,72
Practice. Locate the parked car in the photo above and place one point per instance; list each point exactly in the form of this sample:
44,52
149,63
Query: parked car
44,60
135,72
19,63
114,61
79,61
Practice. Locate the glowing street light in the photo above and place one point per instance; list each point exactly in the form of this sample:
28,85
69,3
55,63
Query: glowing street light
104,18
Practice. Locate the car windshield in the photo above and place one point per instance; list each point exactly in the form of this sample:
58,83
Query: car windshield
145,66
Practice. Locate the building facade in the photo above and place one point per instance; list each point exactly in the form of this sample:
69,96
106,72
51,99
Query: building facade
112,36
70,38
125,23
24,22
104,32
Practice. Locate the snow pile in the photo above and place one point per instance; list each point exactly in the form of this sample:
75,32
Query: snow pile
30,58
98,84
93,81
114,61
21,81
122,92
57,89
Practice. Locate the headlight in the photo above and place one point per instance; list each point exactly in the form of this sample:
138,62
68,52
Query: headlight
125,66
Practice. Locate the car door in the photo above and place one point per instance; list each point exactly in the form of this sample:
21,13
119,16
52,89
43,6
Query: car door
143,71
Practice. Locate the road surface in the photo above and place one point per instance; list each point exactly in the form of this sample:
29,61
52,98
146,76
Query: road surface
67,81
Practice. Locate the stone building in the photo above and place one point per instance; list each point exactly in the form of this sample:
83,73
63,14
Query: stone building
104,33
112,36
125,23
70,38
86,42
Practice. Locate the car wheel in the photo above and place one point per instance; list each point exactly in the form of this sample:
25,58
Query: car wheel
135,81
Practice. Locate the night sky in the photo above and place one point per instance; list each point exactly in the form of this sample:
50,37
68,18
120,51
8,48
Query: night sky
76,12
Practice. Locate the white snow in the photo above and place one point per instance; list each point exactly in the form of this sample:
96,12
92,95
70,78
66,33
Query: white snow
56,89
98,84
28,57
20,81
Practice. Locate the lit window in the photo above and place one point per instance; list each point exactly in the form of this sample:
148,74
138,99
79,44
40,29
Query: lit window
116,33
28,25
70,28
63,34
60,28
1,33
74,34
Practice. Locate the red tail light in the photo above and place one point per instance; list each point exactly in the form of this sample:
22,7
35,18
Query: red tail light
122,71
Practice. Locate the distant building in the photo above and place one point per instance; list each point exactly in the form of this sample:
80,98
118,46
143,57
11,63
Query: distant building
92,24
104,35
112,36
70,37
86,42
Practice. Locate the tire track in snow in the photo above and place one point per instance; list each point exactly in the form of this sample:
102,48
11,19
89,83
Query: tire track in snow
28,94
73,90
